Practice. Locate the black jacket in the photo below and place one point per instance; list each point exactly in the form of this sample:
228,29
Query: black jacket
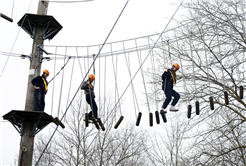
168,76
39,82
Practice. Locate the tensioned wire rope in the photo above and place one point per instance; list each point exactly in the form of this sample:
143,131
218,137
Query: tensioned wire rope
12,8
80,103
15,40
53,83
81,84
130,75
153,69
140,63
59,105
115,76
70,84
182,72
132,79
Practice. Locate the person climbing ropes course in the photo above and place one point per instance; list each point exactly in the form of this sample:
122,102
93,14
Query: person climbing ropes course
41,87
90,96
169,78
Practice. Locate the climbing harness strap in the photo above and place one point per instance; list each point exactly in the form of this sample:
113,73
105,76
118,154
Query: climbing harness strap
172,77
90,85
45,85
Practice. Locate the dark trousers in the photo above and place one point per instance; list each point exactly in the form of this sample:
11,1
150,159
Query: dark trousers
91,101
169,92
39,103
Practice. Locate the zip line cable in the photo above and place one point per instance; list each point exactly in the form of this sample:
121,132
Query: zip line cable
15,40
80,85
132,78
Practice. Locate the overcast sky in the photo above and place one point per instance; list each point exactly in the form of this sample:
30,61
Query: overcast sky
84,24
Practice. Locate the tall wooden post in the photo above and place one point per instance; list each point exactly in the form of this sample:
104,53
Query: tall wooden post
27,139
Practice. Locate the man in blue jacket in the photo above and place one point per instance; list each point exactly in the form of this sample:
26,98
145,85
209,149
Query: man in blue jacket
169,78
41,86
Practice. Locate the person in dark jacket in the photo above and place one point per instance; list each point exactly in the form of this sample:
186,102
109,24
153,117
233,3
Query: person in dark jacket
90,96
41,86
169,78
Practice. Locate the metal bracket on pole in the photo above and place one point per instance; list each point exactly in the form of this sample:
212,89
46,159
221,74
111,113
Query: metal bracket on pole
41,50
30,57
35,124
40,56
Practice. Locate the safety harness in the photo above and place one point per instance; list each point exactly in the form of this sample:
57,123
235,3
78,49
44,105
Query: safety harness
45,84
172,77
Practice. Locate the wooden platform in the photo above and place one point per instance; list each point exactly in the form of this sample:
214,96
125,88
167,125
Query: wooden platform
40,120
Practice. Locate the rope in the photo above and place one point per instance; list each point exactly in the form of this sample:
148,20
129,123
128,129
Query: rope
12,9
80,86
61,68
82,77
153,68
169,53
133,90
105,87
140,63
59,105
15,40
53,84
86,69
69,87
99,84
182,72
79,62
115,76
220,58
193,66
207,69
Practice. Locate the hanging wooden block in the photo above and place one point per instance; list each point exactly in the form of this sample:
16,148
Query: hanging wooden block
139,118
59,122
95,122
197,108
241,92
226,97
6,17
119,121
211,101
101,124
150,119
157,117
189,111
86,120
163,116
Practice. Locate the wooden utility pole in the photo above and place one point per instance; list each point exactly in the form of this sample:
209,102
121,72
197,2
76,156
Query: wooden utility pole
27,139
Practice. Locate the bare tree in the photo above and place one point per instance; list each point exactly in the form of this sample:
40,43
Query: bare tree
209,44
80,145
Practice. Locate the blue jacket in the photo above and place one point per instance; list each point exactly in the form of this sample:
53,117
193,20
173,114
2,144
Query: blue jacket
169,79
39,82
